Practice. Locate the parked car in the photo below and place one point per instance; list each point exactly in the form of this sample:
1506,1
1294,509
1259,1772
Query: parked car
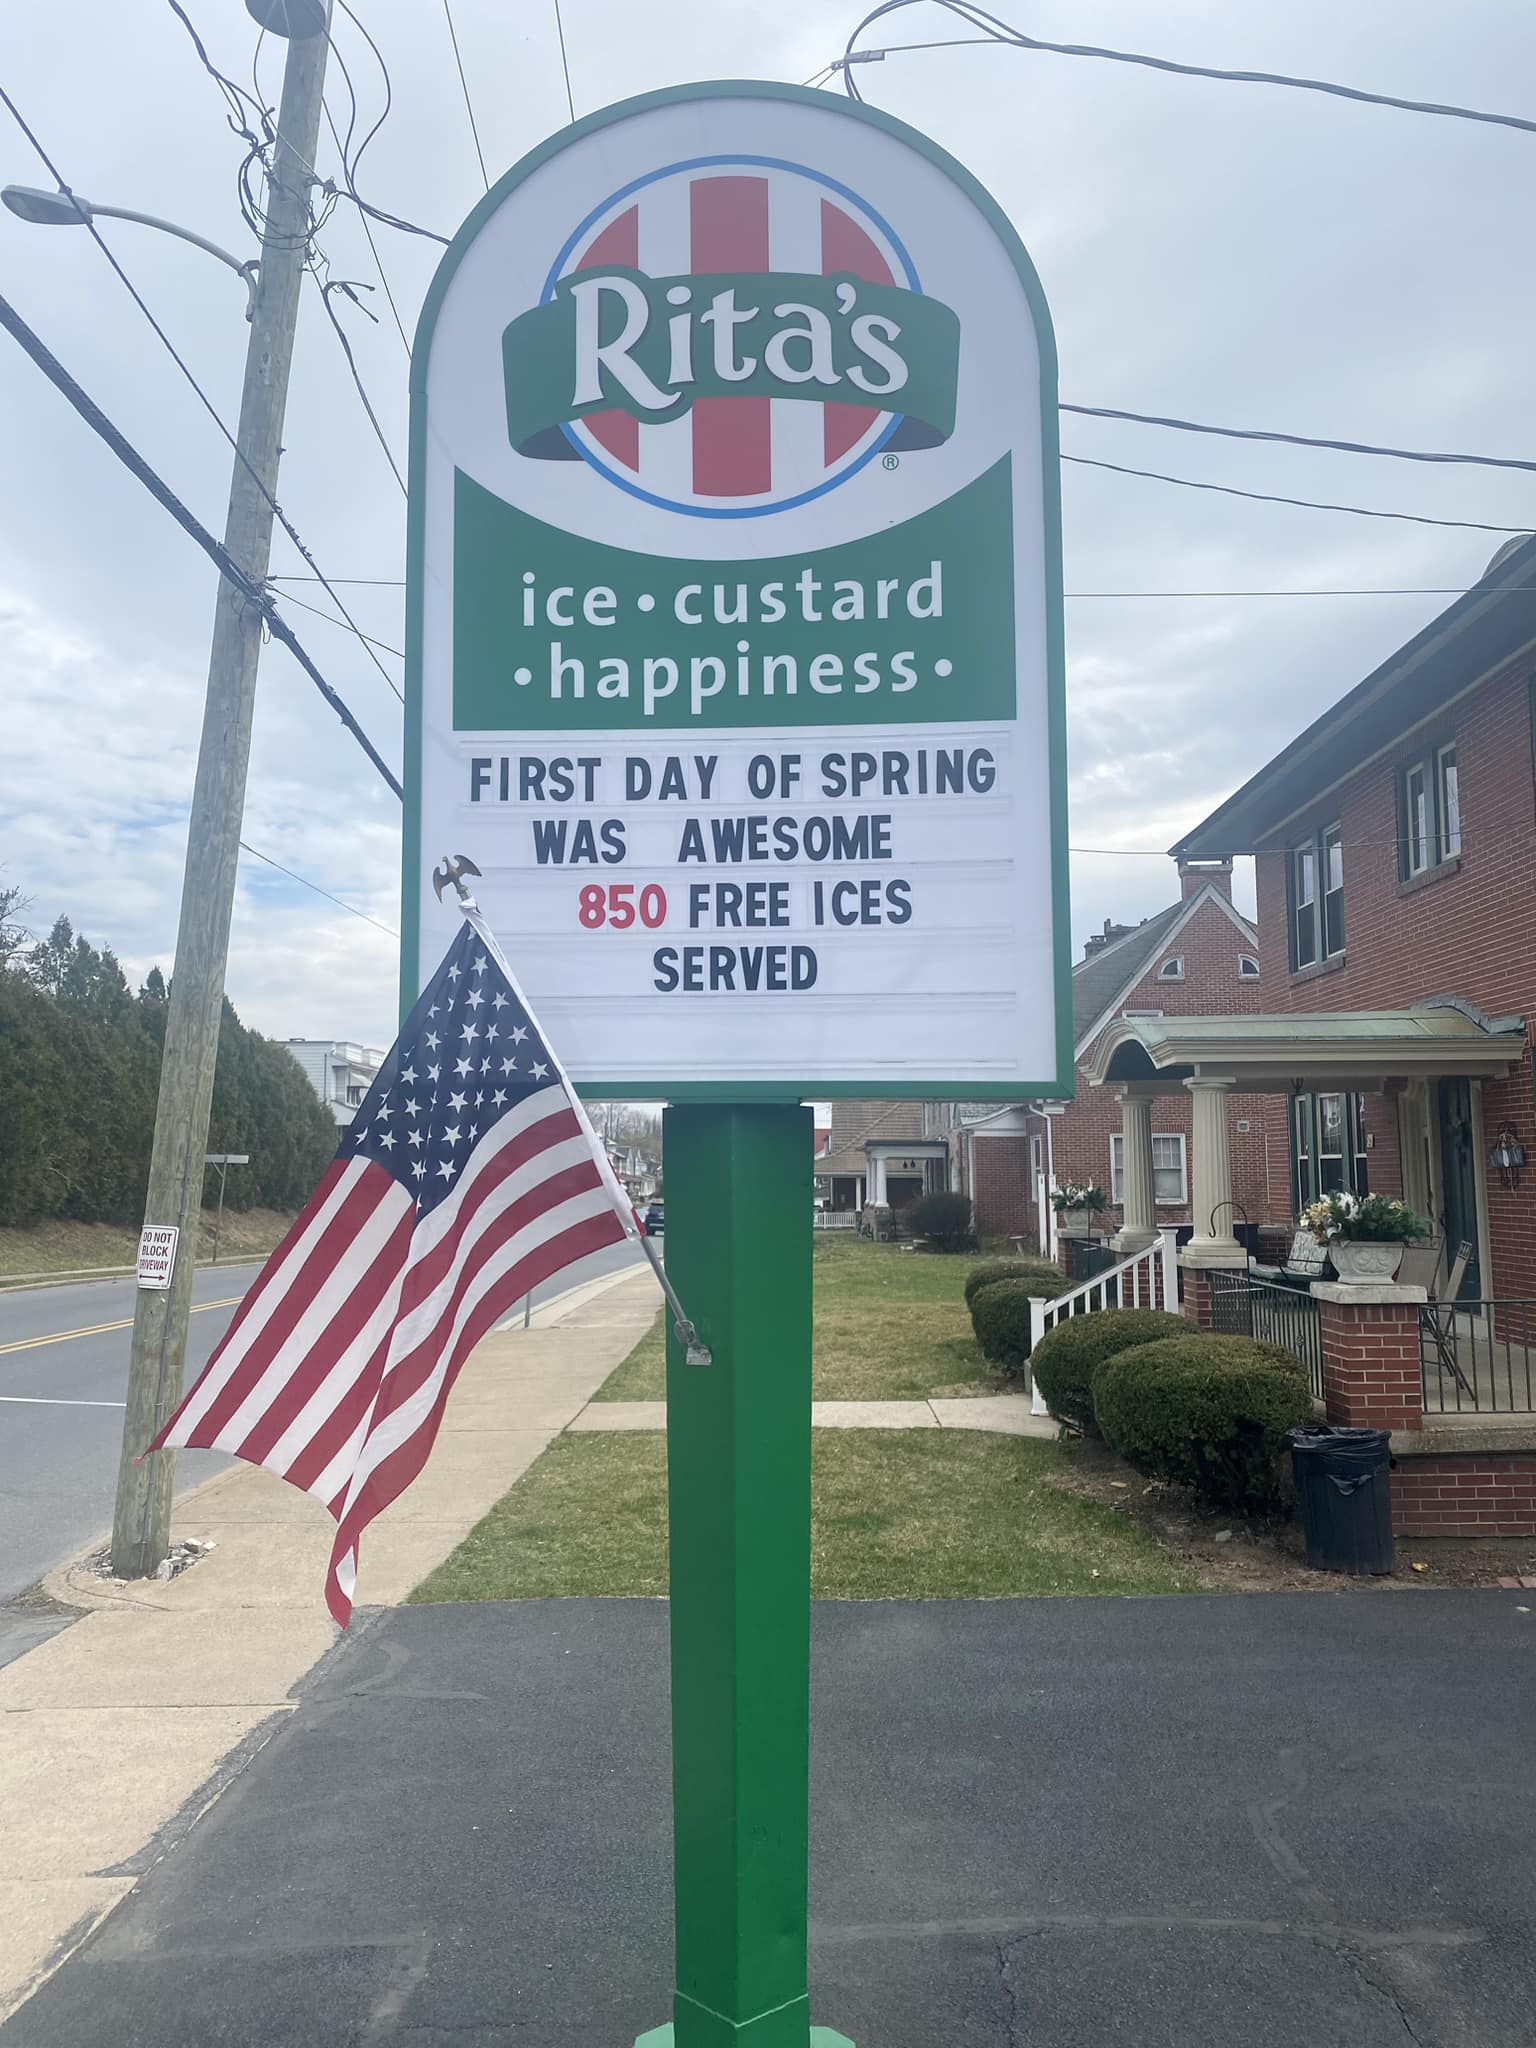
655,1220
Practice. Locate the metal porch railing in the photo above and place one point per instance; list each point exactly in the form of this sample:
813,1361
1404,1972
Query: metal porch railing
1243,1306
1478,1357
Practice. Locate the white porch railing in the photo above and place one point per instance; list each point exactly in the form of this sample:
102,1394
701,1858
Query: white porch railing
1147,1279
836,1219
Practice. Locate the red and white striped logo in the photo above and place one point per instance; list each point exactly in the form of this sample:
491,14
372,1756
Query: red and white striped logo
735,457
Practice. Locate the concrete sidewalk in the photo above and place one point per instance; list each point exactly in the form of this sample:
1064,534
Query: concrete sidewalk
116,1734
1000,1414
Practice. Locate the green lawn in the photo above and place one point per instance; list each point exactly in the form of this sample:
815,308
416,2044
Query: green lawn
896,1515
891,1325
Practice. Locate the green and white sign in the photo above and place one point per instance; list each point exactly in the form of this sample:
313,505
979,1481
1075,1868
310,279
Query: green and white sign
735,607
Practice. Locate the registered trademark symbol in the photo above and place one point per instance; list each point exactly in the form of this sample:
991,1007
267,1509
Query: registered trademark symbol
891,462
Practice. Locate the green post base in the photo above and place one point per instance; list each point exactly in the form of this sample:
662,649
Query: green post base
739,1501
821,2037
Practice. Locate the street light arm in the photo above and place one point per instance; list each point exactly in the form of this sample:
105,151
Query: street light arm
170,227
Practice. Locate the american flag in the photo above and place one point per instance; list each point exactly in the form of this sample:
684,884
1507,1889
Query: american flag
469,1174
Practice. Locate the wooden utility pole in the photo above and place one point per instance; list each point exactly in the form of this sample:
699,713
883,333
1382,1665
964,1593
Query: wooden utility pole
142,1519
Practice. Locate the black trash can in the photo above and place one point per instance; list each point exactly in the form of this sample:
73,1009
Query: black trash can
1345,1493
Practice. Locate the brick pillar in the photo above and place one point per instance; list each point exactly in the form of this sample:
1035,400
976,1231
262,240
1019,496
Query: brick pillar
1372,1372
1199,1292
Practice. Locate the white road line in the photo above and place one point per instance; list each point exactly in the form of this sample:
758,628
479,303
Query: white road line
57,1401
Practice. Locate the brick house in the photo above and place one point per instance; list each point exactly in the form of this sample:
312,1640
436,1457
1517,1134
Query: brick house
1395,843
882,1154
1198,955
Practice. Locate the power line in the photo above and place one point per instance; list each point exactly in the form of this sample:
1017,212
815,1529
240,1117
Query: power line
1189,483
999,31
350,291
308,884
289,598
464,88
373,247
207,404
216,552
1150,419
565,62
379,582
1374,590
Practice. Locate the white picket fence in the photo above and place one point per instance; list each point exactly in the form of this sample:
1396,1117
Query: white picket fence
1147,1279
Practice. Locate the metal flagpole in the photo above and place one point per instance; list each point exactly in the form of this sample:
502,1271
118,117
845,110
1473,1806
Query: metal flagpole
453,870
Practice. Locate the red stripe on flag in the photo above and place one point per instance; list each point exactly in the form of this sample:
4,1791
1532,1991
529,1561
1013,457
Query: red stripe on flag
393,1474
294,1295
619,242
846,251
732,437
345,1327
413,1368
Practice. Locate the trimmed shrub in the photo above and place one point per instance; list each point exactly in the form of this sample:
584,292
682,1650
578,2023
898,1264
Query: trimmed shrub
1207,1412
1000,1317
943,1221
1045,1277
1072,1352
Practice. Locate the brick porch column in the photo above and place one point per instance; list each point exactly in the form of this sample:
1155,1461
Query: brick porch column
1372,1369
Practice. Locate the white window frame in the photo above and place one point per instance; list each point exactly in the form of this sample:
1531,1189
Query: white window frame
1247,967
1172,968
1141,1013
1447,803
1117,1169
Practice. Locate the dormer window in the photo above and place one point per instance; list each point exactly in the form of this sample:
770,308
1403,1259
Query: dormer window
1247,967
1172,968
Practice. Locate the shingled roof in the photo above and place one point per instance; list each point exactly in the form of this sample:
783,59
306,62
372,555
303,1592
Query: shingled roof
1097,980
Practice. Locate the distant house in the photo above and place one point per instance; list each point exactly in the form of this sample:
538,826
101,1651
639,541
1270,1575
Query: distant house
340,1072
881,1154
638,1170
1198,955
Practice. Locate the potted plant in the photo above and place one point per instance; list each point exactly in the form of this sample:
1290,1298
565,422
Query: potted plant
1365,1235
1076,1204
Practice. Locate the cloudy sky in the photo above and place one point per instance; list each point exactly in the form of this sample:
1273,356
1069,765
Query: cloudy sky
1236,254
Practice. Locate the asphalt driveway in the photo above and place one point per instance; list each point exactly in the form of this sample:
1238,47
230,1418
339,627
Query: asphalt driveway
1289,1820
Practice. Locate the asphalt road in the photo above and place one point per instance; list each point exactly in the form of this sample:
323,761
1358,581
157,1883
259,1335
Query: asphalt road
1284,1821
63,1378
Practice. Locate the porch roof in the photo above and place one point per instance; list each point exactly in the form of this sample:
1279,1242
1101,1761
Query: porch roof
1343,1048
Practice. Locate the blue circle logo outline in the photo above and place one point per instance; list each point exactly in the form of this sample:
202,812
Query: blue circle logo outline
700,163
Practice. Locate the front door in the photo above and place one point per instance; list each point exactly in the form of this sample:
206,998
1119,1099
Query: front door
902,1190
1458,1180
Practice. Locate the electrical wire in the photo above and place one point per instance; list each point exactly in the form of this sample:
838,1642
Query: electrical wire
373,247
308,884
464,88
217,553
1190,483
351,291
350,163
1152,419
206,402
999,31
378,582
330,620
565,62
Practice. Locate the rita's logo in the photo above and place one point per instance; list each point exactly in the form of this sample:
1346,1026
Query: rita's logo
729,337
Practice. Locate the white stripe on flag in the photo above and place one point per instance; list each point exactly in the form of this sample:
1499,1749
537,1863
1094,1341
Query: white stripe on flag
354,1270
272,1288
398,1427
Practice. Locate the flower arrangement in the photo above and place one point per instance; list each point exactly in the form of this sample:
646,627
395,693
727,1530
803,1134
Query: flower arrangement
1363,1219
1078,1195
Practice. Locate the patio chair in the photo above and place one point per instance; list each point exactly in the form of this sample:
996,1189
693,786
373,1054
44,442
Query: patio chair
1306,1261
1438,1319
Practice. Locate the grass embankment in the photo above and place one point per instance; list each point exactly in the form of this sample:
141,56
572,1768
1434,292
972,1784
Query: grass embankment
63,1247
890,1325
896,1514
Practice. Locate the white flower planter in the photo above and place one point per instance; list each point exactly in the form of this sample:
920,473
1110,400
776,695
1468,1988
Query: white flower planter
1075,1222
1361,1264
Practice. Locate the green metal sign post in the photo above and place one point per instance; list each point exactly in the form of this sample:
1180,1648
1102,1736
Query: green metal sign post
739,1489
734,671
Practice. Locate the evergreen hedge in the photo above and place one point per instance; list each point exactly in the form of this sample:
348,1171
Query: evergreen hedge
1070,1354
1046,1277
79,1074
1207,1412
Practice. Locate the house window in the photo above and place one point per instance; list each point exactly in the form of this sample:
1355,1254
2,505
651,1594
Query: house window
1328,1146
1247,967
1315,885
1172,969
1429,807
355,1094
1170,1185
1141,1013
